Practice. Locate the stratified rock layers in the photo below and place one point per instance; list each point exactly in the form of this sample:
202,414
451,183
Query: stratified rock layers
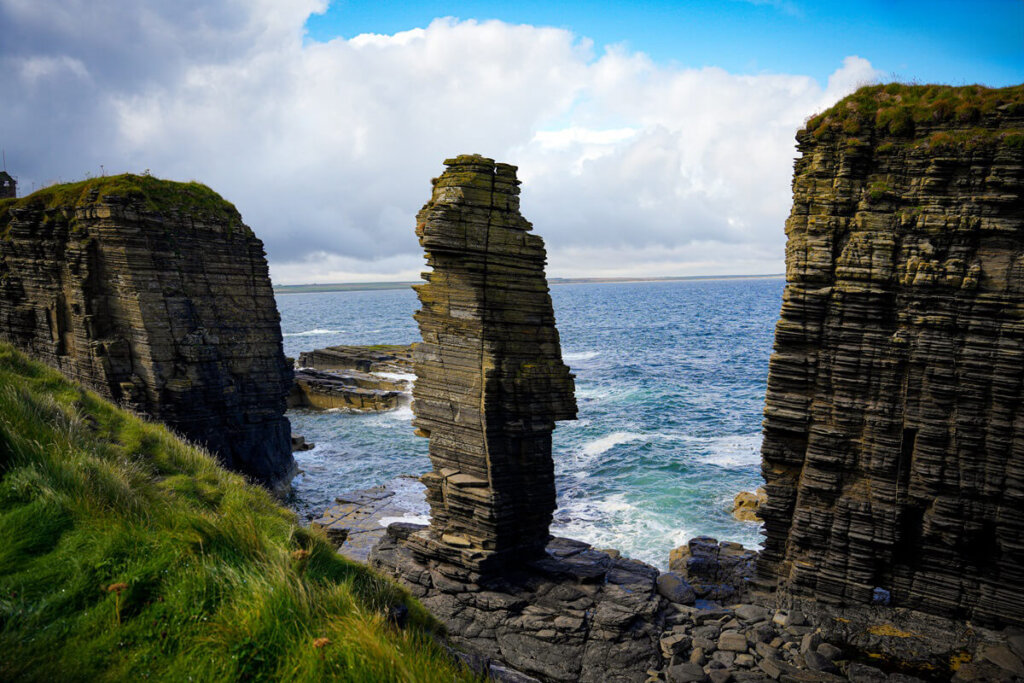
893,440
490,378
160,299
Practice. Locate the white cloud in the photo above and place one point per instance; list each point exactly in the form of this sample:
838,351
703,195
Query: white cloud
628,165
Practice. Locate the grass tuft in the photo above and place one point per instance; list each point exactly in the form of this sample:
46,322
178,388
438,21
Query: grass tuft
900,114
145,192
126,553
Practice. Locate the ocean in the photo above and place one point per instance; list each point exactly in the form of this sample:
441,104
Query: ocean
670,382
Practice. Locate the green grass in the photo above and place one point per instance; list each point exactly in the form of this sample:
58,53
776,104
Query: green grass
902,113
144,191
127,554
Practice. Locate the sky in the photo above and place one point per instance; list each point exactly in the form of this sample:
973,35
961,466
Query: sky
653,138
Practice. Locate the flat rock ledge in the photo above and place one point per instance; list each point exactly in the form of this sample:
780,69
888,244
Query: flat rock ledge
395,358
347,390
360,518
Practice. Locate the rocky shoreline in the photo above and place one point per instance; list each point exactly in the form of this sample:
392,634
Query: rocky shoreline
582,613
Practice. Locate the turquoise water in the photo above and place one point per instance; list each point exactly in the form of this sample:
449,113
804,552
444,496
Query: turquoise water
670,381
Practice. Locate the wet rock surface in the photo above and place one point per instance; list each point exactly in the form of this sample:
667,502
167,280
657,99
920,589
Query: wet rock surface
360,518
892,444
159,300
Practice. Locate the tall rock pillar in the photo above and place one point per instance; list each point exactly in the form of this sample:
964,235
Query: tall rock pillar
490,381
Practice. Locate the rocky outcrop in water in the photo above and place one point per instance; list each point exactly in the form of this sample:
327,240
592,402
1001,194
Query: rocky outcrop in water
490,381
389,358
355,378
345,390
893,437
157,296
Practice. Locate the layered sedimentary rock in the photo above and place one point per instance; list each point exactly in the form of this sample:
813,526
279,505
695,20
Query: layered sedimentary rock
157,296
392,358
894,437
364,378
346,390
490,381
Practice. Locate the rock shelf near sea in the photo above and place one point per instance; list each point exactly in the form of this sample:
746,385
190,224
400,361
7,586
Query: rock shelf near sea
358,378
391,358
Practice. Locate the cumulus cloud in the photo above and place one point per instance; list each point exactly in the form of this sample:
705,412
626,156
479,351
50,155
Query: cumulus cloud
629,166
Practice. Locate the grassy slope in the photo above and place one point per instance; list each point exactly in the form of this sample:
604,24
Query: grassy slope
147,192
898,112
219,582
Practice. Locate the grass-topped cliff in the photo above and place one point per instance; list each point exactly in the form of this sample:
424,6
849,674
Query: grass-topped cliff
150,194
127,554
932,115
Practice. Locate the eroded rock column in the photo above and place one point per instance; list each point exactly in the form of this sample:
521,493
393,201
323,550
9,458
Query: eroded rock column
490,378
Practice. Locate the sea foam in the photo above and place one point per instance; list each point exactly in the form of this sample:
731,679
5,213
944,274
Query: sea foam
580,356
606,443
309,333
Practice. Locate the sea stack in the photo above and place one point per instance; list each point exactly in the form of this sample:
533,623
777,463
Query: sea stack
157,296
894,436
490,381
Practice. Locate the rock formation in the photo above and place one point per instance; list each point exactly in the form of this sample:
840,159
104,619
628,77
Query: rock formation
395,358
363,378
894,437
490,381
490,384
157,296
746,504
345,389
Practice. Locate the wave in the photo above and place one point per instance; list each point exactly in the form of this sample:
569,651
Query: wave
309,333
398,376
412,519
580,355
615,522
606,443
739,450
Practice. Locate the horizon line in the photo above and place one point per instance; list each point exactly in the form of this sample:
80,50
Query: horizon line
396,284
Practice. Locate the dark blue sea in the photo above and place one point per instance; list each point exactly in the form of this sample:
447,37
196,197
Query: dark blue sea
670,381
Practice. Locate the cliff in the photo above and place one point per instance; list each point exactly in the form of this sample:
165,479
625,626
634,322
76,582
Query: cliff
157,296
893,438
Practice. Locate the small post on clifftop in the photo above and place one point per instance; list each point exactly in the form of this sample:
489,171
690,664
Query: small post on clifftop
8,185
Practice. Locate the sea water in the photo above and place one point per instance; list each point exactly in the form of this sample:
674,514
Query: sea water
670,382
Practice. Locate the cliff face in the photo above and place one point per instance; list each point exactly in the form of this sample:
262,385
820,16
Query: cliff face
157,296
490,378
894,437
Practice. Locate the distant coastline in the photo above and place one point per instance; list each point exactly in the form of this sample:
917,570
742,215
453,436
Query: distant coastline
366,286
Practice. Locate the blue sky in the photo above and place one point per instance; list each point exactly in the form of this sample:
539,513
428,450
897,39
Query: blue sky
980,41
669,154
